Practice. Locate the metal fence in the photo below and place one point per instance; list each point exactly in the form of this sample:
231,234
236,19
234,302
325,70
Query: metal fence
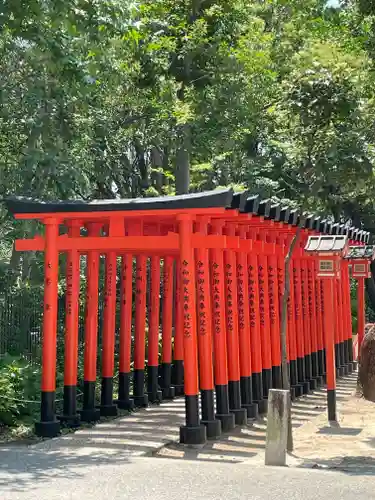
21,321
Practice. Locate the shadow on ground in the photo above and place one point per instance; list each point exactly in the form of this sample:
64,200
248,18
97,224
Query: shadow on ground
351,465
150,432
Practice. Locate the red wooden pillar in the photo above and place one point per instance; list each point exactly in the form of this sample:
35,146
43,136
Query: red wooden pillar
341,346
139,395
167,324
126,301
70,416
193,432
299,323
231,303
205,340
154,394
219,334
49,426
178,350
265,324
292,332
361,311
244,332
336,311
89,412
274,314
255,331
329,323
347,316
319,321
313,321
306,317
107,407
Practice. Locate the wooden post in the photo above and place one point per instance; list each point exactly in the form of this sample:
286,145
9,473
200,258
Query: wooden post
48,425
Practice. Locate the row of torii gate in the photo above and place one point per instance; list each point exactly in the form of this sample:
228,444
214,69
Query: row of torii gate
222,257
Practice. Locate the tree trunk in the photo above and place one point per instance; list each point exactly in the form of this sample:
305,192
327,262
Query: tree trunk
157,165
283,329
366,368
183,160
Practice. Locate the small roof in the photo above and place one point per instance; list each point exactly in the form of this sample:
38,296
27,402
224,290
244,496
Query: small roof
293,216
316,222
284,214
239,201
366,252
252,204
323,226
326,244
264,208
209,199
309,221
275,212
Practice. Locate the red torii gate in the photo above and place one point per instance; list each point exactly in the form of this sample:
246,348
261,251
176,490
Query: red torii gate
229,252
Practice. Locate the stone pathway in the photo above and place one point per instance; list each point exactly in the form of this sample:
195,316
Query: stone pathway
154,431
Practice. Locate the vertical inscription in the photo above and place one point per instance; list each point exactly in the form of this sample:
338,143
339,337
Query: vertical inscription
241,304
229,290
186,299
202,319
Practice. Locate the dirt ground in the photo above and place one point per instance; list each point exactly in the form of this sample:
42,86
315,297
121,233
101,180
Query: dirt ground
348,446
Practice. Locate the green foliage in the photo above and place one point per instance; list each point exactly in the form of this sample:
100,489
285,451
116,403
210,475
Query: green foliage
19,386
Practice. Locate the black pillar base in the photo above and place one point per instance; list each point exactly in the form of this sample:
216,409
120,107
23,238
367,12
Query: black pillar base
308,366
293,372
331,404
166,381
262,406
267,381
240,416
301,370
108,410
48,426
350,368
141,401
257,386
292,394
193,435
47,429
168,393
178,377
90,415
125,404
89,412
314,364
319,381
213,428
227,421
339,372
306,387
208,406
155,396
251,410
313,384
298,390
234,394
345,370
277,380
179,390
70,416
153,391
321,362
71,421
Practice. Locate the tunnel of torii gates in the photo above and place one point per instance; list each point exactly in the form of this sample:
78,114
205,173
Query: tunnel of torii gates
218,315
